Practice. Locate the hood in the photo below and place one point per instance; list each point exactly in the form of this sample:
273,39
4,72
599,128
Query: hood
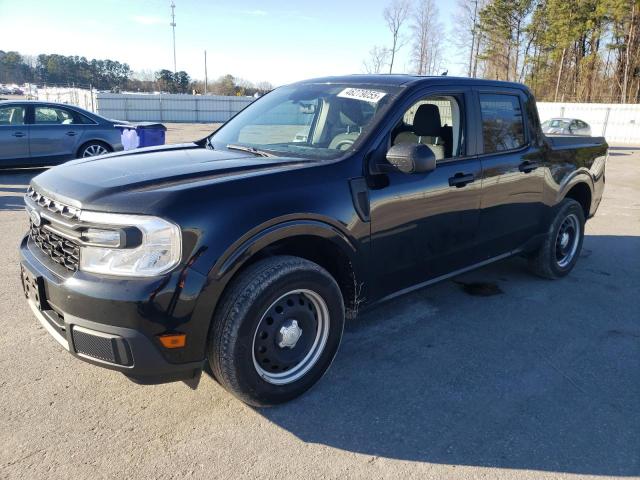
82,182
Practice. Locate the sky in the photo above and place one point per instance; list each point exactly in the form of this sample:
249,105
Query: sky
275,41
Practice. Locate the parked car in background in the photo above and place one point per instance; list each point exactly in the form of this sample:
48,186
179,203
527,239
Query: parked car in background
249,248
43,133
566,126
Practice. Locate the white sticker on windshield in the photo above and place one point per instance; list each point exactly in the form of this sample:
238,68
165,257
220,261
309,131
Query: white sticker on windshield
372,96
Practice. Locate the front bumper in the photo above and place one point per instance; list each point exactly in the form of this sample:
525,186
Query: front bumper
114,323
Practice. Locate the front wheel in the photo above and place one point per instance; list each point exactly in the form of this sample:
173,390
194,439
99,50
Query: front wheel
561,247
276,331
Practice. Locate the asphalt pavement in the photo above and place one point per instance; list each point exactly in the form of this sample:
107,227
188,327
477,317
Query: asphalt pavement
520,378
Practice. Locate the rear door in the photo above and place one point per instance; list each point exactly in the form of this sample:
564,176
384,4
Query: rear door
55,133
512,209
14,135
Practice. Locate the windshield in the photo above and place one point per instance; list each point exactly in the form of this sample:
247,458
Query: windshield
317,121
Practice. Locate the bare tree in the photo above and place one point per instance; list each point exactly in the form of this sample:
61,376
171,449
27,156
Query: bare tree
426,55
466,33
378,58
395,15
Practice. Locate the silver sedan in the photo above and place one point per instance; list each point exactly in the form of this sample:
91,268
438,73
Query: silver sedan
34,133
566,126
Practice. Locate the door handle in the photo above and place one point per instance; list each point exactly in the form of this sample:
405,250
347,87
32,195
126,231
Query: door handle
527,166
459,180
19,134
70,134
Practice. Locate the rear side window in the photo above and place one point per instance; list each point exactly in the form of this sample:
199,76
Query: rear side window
12,115
53,116
502,122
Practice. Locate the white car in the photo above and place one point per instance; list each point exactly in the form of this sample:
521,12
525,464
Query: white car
566,126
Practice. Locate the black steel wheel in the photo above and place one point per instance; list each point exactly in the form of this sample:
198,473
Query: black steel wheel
562,244
276,330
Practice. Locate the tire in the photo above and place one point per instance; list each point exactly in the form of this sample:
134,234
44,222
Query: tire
93,148
276,330
562,244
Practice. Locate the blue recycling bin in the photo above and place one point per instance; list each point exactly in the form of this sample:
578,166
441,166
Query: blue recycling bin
144,134
151,134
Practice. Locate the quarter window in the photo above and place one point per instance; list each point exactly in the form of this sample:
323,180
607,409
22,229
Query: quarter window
502,122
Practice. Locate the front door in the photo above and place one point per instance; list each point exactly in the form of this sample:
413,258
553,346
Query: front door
14,135
425,225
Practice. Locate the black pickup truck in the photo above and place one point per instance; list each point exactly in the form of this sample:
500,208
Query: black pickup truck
247,250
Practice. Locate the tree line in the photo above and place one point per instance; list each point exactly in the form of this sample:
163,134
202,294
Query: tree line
577,51
60,70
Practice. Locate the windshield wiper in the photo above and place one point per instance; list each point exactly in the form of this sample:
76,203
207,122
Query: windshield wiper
255,151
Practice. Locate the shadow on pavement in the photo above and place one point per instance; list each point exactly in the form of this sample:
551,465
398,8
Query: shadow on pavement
13,185
544,377
11,202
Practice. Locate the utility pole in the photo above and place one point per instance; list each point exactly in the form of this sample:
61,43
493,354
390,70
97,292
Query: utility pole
205,72
473,38
173,26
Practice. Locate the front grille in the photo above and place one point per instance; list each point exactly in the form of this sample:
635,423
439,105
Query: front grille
61,250
101,346
65,211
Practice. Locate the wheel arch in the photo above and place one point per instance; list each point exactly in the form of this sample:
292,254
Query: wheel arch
581,192
314,240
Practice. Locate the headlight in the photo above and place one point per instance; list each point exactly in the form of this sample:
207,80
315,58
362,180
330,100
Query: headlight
157,250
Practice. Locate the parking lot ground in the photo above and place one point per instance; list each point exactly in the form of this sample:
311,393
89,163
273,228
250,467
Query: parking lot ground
540,380
188,132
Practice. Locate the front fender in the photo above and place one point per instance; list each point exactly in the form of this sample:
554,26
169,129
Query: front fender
239,253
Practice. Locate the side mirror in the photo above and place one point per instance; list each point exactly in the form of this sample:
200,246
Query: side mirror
412,158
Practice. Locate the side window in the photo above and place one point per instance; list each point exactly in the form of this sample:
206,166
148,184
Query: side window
502,122
435,121
12,115
53,116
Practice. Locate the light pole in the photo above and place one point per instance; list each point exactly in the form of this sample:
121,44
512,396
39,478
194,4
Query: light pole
173,26
205,72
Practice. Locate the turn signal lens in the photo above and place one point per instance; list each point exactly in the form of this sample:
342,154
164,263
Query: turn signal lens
173,340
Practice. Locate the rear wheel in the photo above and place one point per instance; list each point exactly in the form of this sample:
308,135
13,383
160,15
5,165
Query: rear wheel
561,247
276,331
92,149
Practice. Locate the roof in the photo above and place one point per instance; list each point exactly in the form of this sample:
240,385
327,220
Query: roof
404,80
36,102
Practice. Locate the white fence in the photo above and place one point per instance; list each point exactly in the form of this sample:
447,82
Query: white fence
147,107
618,123
170,107
75,96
